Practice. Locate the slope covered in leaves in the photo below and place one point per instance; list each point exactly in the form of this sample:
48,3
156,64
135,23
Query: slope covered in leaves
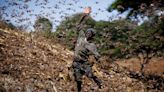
31,63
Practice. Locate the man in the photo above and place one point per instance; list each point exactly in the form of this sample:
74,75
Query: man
81,65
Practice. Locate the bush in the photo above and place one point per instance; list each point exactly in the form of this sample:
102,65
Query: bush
117,39
4,24
43,26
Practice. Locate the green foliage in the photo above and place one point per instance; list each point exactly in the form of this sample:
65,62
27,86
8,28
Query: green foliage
66,32
127,4
4,24
43,26
70,22
117,39
136,6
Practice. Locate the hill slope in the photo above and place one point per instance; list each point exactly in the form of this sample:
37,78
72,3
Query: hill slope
34,64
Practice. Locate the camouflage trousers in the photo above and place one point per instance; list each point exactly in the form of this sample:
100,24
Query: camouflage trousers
83,68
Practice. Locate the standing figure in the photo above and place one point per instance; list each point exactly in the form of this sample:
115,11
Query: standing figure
83,48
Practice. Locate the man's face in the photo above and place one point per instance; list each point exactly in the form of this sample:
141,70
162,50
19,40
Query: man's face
89,35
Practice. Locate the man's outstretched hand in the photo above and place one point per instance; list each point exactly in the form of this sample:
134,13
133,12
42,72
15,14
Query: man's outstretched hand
87,10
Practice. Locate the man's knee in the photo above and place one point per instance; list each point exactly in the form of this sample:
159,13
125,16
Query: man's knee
89,72
78,76
90,75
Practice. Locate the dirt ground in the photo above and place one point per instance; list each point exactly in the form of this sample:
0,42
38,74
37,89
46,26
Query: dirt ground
154,67
35,64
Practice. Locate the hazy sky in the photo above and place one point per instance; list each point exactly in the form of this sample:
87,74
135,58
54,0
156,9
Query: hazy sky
24,12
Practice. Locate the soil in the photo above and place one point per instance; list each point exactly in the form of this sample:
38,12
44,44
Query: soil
31,63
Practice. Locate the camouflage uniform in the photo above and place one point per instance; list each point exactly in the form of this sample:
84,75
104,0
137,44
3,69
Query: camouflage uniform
81,65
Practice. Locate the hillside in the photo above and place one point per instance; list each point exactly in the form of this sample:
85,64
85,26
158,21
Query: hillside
30,63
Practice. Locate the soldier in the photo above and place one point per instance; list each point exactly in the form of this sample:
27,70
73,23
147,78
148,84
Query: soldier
80,65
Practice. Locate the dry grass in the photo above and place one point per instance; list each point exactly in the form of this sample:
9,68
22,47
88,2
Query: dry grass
35,64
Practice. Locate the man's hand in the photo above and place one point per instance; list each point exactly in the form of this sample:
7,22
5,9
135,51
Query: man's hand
87,10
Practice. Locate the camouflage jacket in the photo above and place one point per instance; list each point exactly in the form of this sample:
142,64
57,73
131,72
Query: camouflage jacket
83,48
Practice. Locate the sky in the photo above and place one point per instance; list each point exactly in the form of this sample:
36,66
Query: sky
25,12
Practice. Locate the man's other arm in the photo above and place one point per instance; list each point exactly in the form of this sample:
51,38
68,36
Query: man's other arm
92,48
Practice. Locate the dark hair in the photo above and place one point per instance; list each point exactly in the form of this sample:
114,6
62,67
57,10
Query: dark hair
91,30
90,33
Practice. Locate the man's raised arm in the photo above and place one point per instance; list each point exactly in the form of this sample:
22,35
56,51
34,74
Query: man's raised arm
86,13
